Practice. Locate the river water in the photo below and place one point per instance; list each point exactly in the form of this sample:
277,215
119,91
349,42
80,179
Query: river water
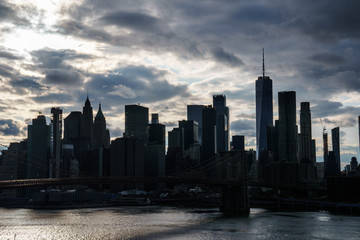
153,222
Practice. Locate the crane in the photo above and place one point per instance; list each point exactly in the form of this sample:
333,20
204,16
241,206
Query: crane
323,127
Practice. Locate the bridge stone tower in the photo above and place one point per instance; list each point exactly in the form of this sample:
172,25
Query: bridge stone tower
235,196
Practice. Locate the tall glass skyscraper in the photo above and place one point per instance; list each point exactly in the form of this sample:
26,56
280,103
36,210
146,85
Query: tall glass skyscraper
264,113
136,122
335,135
305,133
288,144
222,122
194,112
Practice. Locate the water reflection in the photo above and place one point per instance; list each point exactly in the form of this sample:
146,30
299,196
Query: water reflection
153,222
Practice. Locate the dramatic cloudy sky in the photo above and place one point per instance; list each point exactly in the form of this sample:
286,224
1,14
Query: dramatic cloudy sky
167,54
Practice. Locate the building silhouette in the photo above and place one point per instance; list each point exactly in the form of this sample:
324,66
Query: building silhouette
79,132
191,147
12,167
209,147
306,145
331,168
38,149
222,122
353,164
335,135
101,134
136,122
127,160
72,127
238,143
156,131
154,156
55,149
190,130
175,151
325,151
87,122
264,114
194,112
287,127
305,133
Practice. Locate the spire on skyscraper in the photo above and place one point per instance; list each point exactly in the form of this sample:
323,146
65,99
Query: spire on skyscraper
99,113
87,102
263,65
264,111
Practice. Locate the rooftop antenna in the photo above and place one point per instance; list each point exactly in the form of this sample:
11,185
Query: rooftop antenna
263,65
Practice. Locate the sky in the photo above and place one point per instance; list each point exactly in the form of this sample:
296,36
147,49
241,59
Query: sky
169,54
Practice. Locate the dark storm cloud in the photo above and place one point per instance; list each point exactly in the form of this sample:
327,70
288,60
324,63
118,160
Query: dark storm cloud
226,57
55,64
325,20
8,13
345,122
327,58
257,13
56,98
324,109
50,58
17,83
246,93
132,20
244,127
75,28
134,84
156,41
6,71
325,79
332,81
27,83
9,127
9,55
63,76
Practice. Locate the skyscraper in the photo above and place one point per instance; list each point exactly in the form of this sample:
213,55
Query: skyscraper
194,112
222,122
238,142
287,127
306,145
56,132
305,133
190,131
127,159
136,122
209,148
87,122
264,113
38,148
335,135
325,151
156,131
154,156
175,150
72,127
101,136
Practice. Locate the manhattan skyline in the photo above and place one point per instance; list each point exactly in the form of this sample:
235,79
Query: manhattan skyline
170,55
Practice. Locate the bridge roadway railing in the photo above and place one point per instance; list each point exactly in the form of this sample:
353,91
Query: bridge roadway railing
43,182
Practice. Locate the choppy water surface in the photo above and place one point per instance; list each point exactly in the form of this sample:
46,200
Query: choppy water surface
173,223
